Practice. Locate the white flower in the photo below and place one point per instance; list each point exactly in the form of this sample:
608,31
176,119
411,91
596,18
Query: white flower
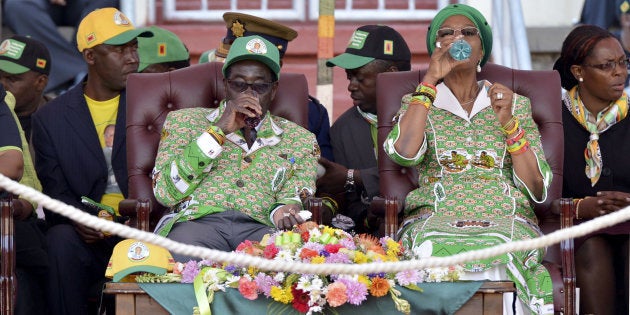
279,277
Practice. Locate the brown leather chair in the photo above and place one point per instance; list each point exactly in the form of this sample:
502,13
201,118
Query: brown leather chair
8,281
150,97
543,89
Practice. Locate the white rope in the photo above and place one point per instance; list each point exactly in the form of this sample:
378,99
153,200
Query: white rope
304,268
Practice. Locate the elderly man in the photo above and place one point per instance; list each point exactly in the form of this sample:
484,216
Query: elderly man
69,142
235,172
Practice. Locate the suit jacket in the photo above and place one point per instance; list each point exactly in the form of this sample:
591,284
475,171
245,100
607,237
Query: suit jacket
353,148
69,159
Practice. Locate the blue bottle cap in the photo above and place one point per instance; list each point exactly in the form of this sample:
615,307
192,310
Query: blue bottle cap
460,50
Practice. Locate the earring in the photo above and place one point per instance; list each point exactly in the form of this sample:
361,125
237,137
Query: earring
580,79
479,66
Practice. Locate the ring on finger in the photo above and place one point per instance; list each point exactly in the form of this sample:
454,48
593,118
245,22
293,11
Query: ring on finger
286,214
499,95
438,45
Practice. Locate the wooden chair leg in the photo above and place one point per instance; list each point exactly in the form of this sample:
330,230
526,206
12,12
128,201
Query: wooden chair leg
7,272
568,257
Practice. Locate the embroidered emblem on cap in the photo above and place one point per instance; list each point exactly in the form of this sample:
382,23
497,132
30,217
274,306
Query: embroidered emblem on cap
138,251
388,47
256,46
90,38
121,19
358,39
161,49
12,48
237,29
40,63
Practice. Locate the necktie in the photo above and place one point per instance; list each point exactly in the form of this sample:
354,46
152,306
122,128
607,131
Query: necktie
250,136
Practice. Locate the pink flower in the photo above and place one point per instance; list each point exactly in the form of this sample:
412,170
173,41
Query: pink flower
336,295
270,251
248,288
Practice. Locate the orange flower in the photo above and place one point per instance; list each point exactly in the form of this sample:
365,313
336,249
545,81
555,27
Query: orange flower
307,253
379,287
369,243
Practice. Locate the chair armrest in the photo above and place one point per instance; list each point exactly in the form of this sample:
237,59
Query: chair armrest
7,273
138,211
567,250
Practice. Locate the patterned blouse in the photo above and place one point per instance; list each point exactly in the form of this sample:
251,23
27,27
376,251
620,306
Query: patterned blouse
469,197
195,176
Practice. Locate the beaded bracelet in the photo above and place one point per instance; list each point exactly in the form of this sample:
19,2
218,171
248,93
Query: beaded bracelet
415,101
521,150
217,134
519,147
427,90
431,86
511,130
514,139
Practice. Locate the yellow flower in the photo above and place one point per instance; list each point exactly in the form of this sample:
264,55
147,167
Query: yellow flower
360,257
392,246
365,280
281,295
318,260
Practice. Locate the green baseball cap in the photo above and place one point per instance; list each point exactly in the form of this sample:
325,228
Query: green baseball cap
254,48
163,47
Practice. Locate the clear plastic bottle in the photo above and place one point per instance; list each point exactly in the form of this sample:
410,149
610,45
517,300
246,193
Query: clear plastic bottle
460,50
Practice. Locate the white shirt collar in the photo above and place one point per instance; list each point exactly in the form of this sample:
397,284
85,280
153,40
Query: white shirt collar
446,100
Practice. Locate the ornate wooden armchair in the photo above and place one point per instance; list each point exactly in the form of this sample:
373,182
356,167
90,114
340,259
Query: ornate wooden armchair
150,97
543,89
7,264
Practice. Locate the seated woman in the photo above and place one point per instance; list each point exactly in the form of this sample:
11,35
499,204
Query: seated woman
479,159
593,68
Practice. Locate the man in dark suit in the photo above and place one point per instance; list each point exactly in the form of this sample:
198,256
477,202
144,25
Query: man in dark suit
69,142
371,50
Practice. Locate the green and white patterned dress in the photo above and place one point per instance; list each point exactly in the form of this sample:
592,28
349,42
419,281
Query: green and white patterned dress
469,197
195,176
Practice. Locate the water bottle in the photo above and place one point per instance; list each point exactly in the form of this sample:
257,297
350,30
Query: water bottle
460,50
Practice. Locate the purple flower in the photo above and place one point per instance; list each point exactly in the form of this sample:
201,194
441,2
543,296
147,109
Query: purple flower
264,283
314,246
190,271
340,258
357,292
231,269
348,243
408,277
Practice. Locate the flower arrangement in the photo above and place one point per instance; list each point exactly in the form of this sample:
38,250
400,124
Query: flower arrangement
308,293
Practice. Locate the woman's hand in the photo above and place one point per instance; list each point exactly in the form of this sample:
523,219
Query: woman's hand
441,62
604,203
501,100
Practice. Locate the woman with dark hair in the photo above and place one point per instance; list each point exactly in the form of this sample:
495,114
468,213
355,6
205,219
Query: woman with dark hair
451,122
593,69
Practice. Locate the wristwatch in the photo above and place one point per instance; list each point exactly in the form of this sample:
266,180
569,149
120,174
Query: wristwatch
349,186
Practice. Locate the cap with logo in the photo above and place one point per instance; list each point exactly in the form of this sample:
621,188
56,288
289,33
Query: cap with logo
131,256
254,48
20,54
240,25
107,26
370,42
163,46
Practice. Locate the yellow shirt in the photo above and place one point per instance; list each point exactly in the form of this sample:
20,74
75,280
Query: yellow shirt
104,117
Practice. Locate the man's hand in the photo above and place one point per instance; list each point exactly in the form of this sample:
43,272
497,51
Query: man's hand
245,105
88,234
334,179
286,217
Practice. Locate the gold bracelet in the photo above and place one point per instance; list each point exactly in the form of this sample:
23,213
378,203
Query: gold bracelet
577,209
217,134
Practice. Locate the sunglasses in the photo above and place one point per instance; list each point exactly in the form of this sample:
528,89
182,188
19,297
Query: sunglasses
611,65
466,31
241,86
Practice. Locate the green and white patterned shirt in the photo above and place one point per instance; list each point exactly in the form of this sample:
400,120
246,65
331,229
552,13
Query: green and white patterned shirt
195,176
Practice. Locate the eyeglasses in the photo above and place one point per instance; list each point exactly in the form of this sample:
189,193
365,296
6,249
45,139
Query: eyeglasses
241,86
611,65
466,31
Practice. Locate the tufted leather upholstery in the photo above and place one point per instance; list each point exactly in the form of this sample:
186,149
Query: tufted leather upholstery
150,97
543,89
